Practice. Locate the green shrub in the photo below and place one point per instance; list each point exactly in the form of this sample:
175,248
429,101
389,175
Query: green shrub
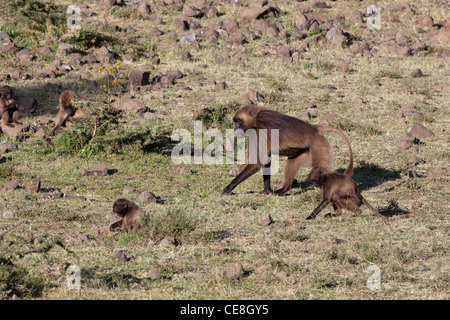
100,132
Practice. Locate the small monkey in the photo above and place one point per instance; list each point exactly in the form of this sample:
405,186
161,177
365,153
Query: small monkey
8,107
128,211
340,190
67,109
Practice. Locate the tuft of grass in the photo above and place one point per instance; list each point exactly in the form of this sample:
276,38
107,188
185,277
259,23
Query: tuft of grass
170,222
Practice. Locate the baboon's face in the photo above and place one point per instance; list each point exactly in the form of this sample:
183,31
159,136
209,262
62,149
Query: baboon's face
6,96
120,207
316,176
245,118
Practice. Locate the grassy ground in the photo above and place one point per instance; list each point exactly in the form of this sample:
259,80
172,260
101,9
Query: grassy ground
291,260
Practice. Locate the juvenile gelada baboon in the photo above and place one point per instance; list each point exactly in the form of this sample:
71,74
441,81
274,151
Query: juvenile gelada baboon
8,107
129,212
67,109
339,190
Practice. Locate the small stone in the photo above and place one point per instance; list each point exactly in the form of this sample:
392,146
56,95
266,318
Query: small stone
11,185
425,22
120,255
99,169
139,78
265,220
155,275
168,241
65,49
221,202
147,197
419,131
235,271
33,185
144,9
187,37
417,73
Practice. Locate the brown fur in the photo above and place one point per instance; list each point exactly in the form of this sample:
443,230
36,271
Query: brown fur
129,212
298,140
66,109
8,108
339,190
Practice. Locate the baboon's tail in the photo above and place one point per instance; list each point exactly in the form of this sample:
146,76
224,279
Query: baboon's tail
367,204
349,171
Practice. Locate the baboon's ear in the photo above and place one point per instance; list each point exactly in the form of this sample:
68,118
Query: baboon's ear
254,111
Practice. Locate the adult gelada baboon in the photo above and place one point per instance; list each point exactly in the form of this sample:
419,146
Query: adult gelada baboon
299,141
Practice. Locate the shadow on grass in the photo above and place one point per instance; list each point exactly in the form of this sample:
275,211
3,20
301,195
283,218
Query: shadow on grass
393,210
369,175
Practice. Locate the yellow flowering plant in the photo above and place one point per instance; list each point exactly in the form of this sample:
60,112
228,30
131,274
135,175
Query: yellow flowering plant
112,74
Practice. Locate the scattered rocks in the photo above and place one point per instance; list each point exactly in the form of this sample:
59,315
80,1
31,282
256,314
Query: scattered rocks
443,35
235,271
99,169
